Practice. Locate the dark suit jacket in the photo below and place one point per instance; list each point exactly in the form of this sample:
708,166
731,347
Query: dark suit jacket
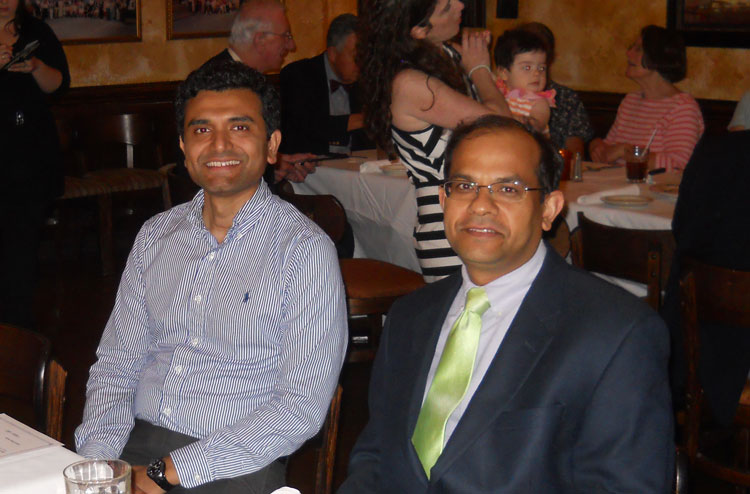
575,401
222,55
712,224
306,126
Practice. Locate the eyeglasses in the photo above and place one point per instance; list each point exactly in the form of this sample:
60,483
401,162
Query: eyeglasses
514,191
286,35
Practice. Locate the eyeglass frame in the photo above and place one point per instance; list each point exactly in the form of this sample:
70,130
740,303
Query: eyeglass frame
288,35
496,198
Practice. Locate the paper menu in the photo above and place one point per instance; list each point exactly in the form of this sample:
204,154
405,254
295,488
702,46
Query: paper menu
16,437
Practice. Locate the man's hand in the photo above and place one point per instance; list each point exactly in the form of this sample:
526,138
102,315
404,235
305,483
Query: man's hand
293,167
142,484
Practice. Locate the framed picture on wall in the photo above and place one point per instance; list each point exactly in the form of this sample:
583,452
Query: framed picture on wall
710,22
90,21
200,18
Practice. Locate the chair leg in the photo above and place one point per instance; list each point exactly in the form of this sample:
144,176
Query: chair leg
106,244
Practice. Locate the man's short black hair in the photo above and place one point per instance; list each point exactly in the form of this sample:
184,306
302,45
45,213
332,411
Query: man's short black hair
341,27
664,52
548,169
223,75
513,42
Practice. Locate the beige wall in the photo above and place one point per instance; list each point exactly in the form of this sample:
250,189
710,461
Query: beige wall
591,55
591,52
155,59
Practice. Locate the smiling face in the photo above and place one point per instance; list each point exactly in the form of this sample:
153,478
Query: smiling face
528,71
445,21
225,144
491,237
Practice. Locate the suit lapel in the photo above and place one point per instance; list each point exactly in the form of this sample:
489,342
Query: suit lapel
524,344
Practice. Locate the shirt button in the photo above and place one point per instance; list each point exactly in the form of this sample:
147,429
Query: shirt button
197,477
195,341
198,298
211,256
178,369
167,411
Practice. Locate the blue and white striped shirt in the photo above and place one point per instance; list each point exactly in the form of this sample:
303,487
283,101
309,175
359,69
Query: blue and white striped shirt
239,344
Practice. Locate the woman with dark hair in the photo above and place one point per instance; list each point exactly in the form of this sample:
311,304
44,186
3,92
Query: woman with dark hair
419,88
656,61
31,172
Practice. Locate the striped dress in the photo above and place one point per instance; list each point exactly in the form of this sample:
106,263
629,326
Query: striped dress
422,152
678,122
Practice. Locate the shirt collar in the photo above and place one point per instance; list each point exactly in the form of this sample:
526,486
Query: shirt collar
248,215
234,55
520,278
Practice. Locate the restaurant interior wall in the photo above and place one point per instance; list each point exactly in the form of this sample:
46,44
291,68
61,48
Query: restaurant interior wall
592,38
156,59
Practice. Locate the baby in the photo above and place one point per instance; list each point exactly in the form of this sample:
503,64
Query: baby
521,61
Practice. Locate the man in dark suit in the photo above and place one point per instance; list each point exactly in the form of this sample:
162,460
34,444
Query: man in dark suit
321,110
550,380
711,225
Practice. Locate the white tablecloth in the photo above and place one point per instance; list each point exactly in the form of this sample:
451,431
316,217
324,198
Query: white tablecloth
36,472
656,216
381,209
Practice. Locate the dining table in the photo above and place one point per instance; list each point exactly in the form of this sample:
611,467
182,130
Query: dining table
31,462
381,208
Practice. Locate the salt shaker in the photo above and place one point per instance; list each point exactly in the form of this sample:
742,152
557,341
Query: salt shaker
577,169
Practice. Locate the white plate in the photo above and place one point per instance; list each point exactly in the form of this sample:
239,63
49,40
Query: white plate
394,170
627,201
667,191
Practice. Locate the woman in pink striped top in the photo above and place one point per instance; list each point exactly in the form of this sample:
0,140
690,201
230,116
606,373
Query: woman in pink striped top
655,62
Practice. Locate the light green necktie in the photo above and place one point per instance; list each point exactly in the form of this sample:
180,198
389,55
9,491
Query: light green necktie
451,379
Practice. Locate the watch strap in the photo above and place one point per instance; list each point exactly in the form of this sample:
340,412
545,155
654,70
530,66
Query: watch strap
156,472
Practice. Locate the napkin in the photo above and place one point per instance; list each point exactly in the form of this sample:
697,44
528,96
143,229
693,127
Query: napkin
596,197
373,166
286,490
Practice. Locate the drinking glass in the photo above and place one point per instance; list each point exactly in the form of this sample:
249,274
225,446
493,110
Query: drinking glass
636,163
97,477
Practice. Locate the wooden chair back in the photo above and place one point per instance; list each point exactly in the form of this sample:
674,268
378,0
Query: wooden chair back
129,130
643,256
325,210
711,295
326,460
32,386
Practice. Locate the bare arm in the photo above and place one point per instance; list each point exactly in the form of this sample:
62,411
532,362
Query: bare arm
539,115
47,78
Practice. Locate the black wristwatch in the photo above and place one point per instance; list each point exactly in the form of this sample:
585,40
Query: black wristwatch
155,472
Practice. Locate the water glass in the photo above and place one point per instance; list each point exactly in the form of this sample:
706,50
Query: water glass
97,477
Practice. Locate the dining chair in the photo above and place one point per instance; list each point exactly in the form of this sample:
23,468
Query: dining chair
32,385
712,295
643,256
371,285
323,446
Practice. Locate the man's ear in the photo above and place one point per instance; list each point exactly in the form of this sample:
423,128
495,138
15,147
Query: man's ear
332,52
182,145
441,197
273,146
552,206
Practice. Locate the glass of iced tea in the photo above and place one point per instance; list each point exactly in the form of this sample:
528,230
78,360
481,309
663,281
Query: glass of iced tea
636,163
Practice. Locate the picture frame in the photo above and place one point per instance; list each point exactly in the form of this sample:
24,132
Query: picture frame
200,18
90,21
711,23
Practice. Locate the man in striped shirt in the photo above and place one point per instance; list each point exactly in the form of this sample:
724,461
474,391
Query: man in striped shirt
229,327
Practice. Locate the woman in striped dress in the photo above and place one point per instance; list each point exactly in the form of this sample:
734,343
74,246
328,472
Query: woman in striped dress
418,89
656,61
